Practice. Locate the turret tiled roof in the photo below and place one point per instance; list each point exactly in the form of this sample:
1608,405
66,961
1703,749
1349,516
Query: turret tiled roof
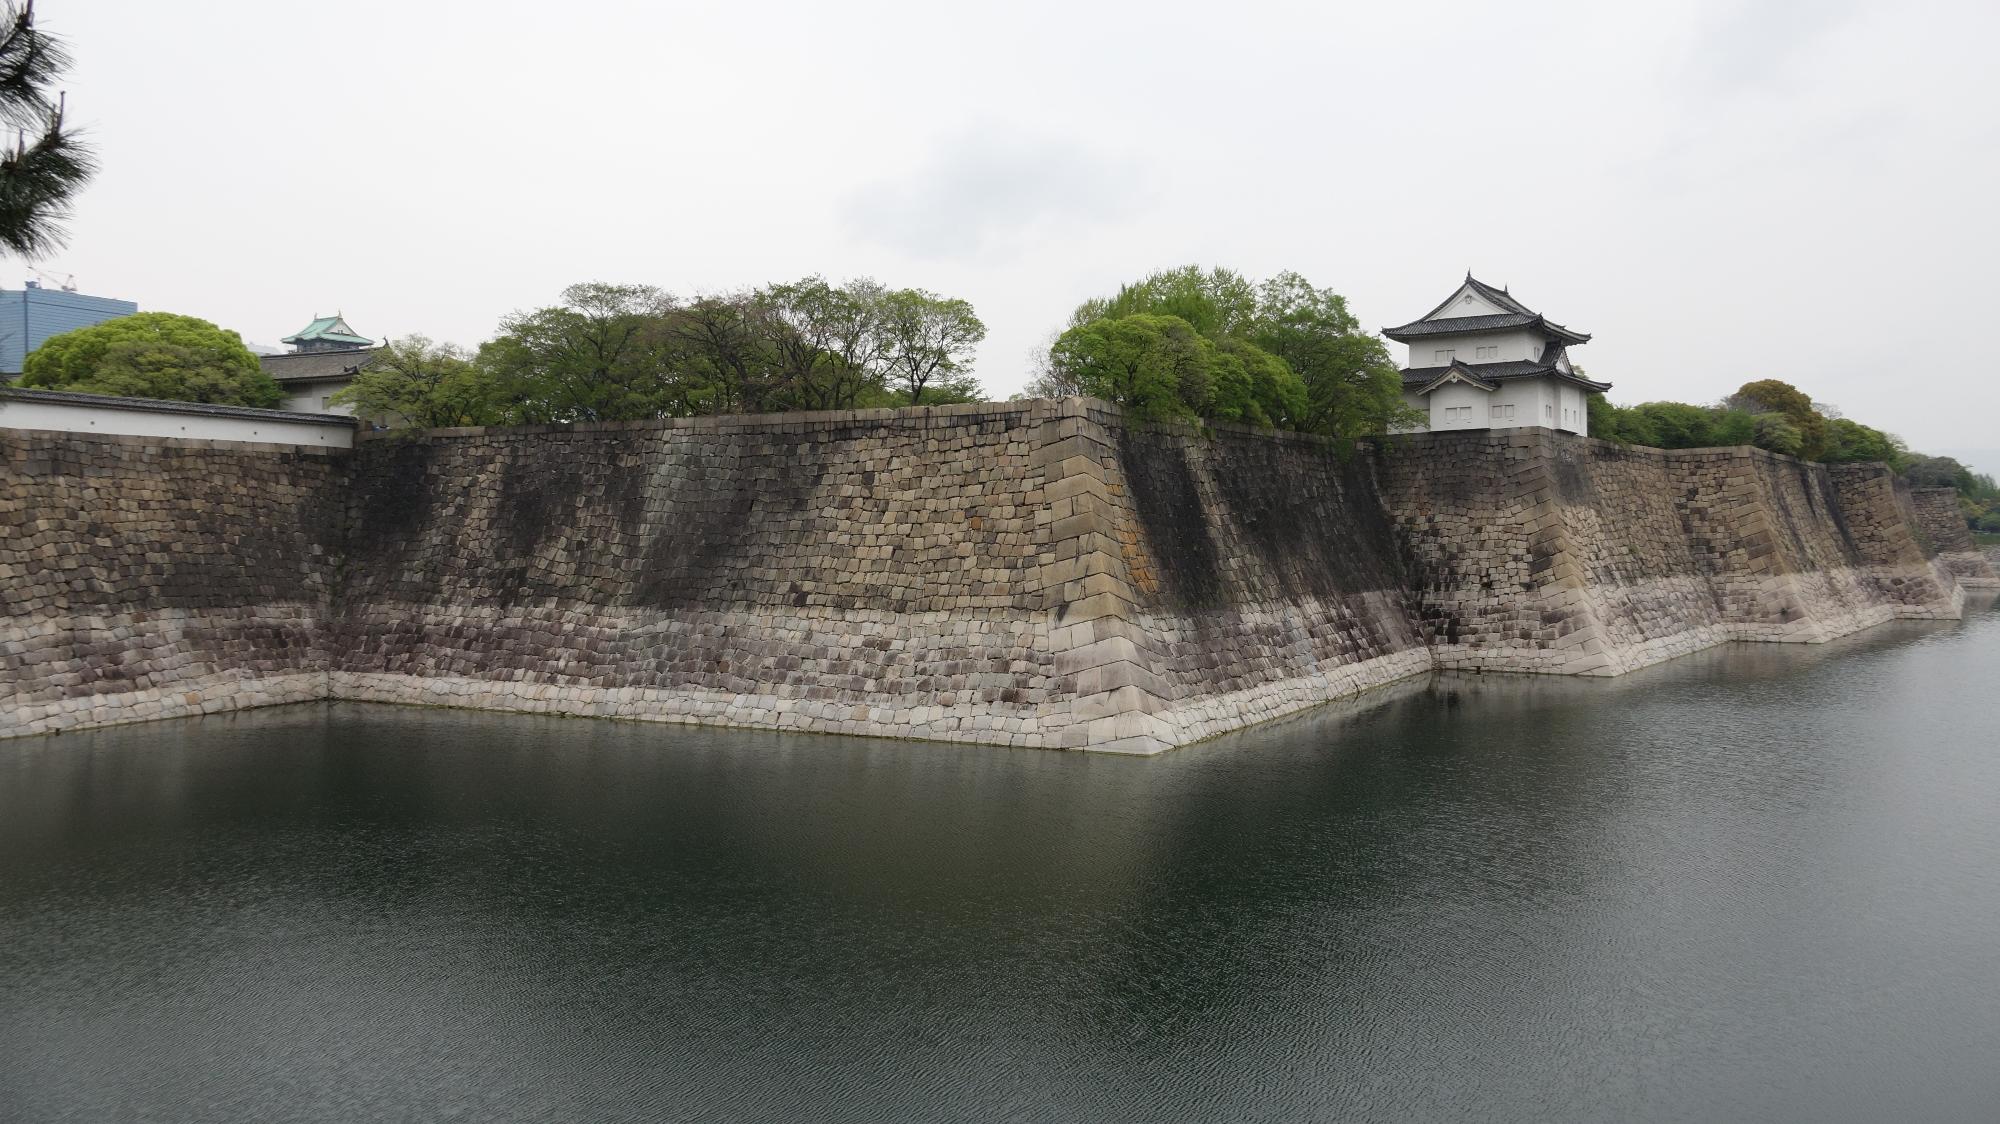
1517,315
1450,325
330,329
1421,378
307,366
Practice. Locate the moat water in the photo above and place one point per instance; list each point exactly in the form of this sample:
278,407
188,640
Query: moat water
1762,883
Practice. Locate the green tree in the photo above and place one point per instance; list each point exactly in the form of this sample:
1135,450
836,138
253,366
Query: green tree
1282,353
153,355
1770,415
614,352
721,345
1939,472
46,165
603,354
1674,425
1776,432
1154,366
1771,396
1850,441
1255,387
825,339
416,382
927,346
1352,385
1216,303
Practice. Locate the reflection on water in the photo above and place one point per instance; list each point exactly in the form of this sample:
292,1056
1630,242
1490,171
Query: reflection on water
1759,883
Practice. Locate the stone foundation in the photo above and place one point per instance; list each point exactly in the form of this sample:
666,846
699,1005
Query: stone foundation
1031,574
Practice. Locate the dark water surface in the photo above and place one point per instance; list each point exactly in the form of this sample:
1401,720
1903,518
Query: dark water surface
1762,883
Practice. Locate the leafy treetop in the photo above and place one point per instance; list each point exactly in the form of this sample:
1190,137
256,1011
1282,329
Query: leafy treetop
153,355
1193,343
417,382
608,352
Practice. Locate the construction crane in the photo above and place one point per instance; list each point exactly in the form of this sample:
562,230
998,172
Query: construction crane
65,281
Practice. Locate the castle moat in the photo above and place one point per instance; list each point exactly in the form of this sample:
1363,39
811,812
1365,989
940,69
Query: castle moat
1753,883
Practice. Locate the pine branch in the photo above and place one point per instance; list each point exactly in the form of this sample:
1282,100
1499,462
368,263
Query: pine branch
30,63
37,182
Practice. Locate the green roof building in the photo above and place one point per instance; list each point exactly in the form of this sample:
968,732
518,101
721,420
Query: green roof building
327,333
326,355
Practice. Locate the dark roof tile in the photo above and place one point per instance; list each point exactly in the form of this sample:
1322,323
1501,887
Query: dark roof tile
313,365
1454,324
1518,316
1415,377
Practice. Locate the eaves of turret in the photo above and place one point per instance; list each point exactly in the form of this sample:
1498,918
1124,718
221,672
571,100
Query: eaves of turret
1467,325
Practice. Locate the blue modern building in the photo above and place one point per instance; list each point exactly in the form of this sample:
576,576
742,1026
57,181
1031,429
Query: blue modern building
32,314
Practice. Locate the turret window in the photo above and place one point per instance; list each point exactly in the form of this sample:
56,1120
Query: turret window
1442,356
1486,353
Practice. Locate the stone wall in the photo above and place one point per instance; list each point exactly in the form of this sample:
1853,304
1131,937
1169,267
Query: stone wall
151,578
855,572
1939,516
1535,551
1033,574
1253,575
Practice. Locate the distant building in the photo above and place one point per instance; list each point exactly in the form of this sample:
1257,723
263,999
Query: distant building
326,355
31,314
326,333
1483,360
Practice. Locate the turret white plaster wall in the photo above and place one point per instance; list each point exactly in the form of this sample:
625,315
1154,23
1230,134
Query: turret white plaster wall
1539,402
1572,411
1510,346
1469,402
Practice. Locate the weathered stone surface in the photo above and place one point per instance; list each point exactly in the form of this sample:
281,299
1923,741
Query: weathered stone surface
1034,574
150,578
1938,516
1537,551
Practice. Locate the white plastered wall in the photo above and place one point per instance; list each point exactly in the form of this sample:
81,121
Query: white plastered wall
1535,402
65,417
310,397
1459,405
1507,347
1465,302
1572,412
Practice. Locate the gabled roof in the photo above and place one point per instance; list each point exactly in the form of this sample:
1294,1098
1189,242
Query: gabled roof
1456,372
1422,380
1500,297
308,366
1513,314
333,329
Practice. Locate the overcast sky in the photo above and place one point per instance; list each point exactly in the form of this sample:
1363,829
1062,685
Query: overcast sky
1718,191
